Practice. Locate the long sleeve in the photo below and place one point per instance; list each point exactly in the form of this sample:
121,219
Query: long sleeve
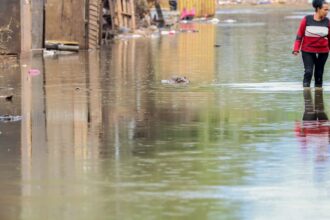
329,34
300,35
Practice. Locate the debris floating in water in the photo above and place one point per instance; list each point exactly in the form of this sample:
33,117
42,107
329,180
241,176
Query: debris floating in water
34,72
8,98
10,118
176,80
229,21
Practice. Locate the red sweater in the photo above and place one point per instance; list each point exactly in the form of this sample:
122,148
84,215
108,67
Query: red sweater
313,36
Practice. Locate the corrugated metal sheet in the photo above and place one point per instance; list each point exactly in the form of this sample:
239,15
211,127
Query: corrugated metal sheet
10,28
202,7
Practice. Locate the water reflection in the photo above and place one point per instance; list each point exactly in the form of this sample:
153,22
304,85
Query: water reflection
314,130
9,139
102,138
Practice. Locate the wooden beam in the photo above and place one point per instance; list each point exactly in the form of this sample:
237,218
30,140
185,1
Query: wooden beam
133,15
119,11
112,14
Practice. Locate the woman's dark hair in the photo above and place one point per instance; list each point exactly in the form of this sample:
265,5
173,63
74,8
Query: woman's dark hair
318,4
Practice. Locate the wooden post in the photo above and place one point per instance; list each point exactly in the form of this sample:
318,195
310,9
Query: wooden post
113,14
119,13
26,26
124,12
132,15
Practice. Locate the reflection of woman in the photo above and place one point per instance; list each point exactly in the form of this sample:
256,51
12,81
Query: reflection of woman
313,41
314,130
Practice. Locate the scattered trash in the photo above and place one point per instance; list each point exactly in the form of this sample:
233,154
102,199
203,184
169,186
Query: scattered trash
124,30
214,21
164,32
171,32
188,31
8,98
49,52
176,80
230,21
187,14
10,118
34,72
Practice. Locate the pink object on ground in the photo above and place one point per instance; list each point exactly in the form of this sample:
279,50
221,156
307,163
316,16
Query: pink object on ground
34,72
187,15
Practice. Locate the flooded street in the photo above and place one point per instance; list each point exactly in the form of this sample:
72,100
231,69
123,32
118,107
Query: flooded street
102,138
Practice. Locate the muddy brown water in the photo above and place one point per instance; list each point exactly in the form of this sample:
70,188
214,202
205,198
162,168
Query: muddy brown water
102,138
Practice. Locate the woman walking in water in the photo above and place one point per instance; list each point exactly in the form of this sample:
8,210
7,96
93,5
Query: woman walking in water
313,41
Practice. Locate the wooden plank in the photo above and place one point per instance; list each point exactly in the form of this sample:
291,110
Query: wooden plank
126,14
133,24
119,11
124,11
65,20
112,14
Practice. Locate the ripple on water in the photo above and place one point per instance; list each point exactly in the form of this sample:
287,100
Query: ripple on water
294,17
248,24
270,86
240,11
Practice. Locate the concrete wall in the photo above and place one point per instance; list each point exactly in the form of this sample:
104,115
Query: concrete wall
10,27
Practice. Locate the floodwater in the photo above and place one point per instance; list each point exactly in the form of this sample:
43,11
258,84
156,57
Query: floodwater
102,138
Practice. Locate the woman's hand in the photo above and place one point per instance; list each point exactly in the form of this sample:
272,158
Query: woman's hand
295,53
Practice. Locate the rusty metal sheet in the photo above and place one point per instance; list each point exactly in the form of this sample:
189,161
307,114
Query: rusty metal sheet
10,34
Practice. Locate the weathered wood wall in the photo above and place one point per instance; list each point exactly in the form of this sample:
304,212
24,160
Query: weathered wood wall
10,35
122,13
202,7
65,20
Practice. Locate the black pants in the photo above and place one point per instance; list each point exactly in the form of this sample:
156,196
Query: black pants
312,60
